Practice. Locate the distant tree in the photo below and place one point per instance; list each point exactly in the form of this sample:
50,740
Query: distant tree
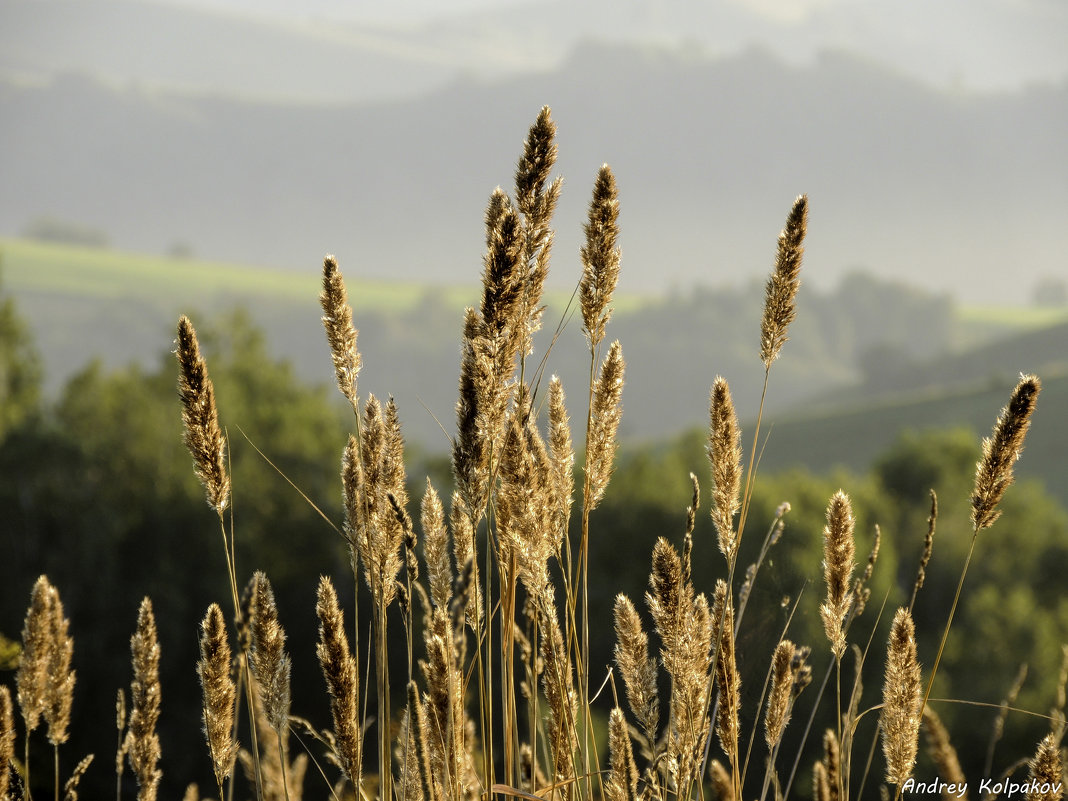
65,232
1050,292
20,368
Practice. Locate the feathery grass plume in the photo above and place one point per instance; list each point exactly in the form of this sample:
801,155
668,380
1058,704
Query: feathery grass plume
942,752
821,784
59,688
600,257
605,414
219,694
993,473
902,700
832,762
536,203
928,548
503,285
622,781
436,546
339,670
781,695
7,740
1046,772
142,743
70,787
780,293
725,456
638,669
203,437
32,678
839,551
340,333
721,780
269,660
562,454
728,682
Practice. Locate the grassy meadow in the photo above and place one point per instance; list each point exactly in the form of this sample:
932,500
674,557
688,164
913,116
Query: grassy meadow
372,633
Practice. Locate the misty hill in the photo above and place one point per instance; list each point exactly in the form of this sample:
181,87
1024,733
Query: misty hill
941,190
120,308
339,51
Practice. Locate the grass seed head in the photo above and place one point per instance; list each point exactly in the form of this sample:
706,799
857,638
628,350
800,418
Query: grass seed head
993,472
203,437
780,294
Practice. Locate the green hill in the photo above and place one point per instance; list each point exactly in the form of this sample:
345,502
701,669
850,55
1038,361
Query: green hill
852,437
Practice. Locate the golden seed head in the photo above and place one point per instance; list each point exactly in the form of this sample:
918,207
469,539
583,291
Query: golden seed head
781,290
902,700
993,472
203,437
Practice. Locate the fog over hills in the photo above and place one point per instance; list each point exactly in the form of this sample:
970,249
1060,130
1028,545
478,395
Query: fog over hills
955,192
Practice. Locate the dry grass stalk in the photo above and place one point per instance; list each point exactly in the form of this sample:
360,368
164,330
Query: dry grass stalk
277,777
463,548
832,763
600,258
928,548
562,455
943,754
839,551
781,290
622,781
142,743
526,511
340,333
70,787
436,547
728,682
32,678
993,472
605,414
59,688
902,700
781,695
1046,772
638,670
861,590
339,670
821,784
471,447
537,203
563,702
219,694
120,750
270,663
7,740
445,733
203,437
725,456
1007,703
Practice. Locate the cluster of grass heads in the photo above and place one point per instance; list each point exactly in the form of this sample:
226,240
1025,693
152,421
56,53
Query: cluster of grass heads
501,695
